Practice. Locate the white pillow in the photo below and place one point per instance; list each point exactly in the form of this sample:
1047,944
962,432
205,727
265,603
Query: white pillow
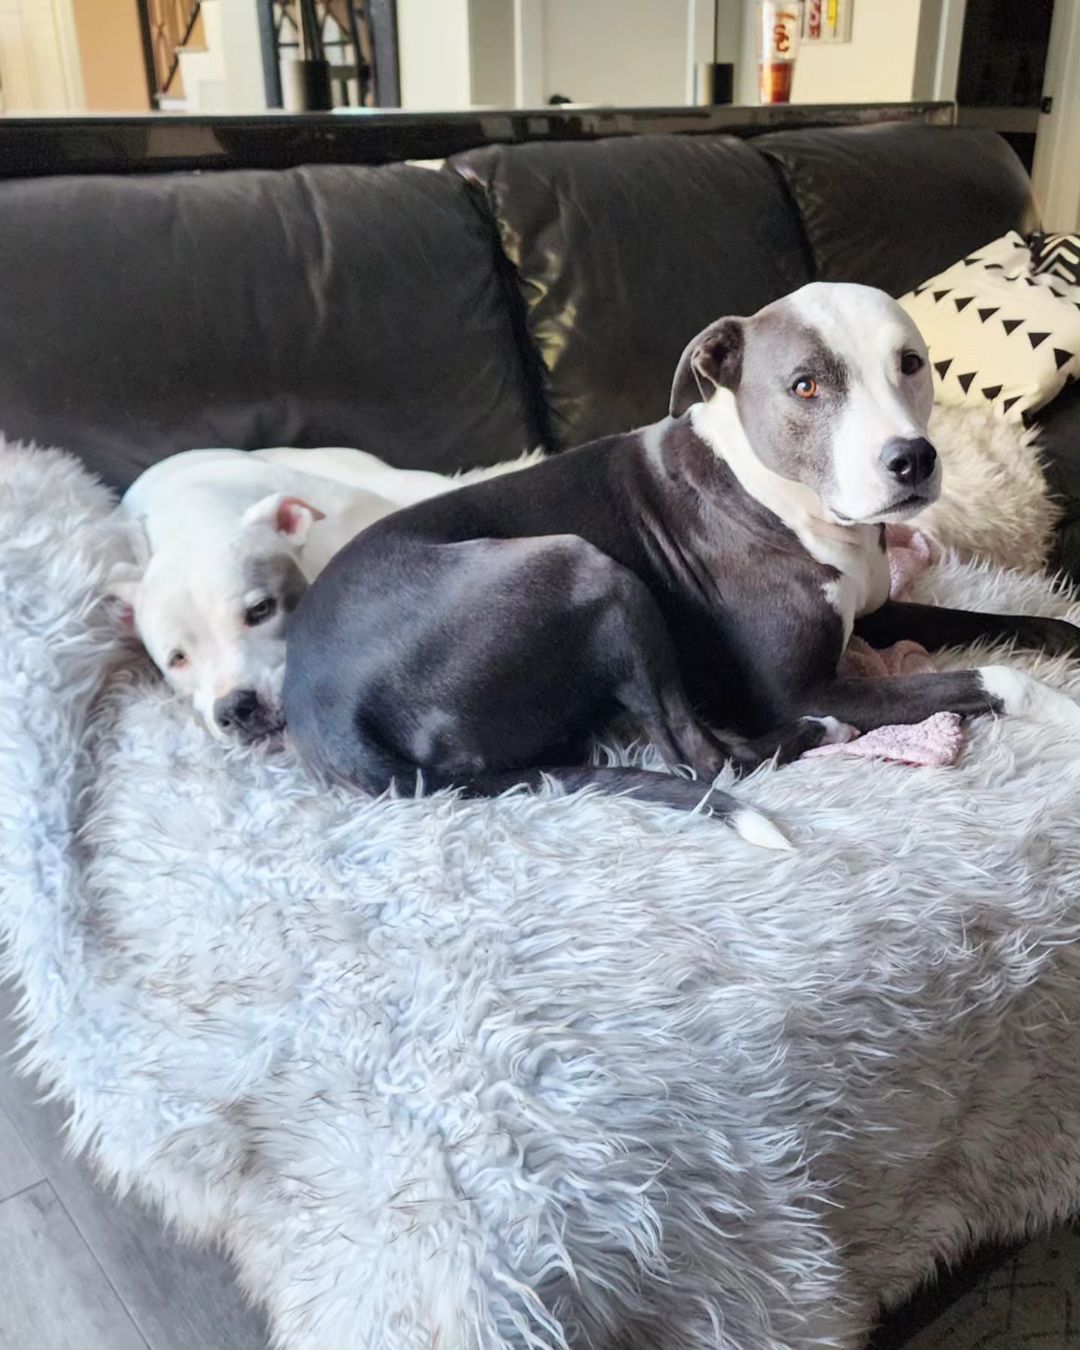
998,335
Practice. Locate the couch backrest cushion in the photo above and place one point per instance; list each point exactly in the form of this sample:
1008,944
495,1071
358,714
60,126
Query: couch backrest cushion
893,204
624,249
317,306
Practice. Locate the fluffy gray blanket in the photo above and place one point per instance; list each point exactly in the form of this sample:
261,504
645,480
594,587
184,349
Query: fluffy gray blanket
534,1072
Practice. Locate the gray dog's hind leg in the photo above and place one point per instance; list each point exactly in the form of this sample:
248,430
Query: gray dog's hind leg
630,636
582,636
649,686
935,627
867,704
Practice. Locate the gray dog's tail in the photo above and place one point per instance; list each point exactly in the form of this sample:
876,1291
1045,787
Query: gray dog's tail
646,786
375,767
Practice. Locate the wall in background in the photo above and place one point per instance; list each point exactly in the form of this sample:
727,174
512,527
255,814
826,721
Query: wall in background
628,52
433,54
876,66
110,51
639,52
461,53
491,52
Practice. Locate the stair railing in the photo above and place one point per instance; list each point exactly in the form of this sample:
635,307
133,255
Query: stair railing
166,27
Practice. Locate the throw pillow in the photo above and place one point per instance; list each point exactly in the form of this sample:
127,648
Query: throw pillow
1057,255
998,335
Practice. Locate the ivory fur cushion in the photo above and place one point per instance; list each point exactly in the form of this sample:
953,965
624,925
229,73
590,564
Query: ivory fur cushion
994,502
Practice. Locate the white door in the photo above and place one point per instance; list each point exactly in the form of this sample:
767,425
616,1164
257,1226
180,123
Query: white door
39,58
1056,171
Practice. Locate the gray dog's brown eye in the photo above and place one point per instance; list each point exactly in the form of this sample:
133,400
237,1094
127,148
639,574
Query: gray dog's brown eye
260,611
805,387
910,363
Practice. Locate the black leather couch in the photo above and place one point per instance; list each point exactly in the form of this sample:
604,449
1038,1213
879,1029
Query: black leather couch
535,294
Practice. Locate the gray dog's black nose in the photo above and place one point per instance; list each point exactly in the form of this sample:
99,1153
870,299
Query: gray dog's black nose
236,711
910,462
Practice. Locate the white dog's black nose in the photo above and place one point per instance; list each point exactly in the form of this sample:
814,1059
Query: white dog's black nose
237,711
910,462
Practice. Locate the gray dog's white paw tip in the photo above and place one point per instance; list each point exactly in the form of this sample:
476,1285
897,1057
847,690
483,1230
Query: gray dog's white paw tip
836,732
760,830
1021,696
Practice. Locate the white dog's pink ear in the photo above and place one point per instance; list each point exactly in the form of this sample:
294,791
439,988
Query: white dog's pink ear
296,517
288,516
122,589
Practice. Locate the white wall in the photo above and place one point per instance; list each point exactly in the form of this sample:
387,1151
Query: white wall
242,52
630,52
491,52
876,66
433,51
455,54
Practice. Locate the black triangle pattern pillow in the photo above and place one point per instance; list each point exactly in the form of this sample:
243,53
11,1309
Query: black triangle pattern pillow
998,332
1055,255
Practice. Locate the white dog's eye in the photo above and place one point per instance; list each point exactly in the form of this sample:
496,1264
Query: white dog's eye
260,611
177,659
910,363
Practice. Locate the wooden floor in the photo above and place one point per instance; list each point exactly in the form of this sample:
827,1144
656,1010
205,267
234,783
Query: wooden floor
78,1269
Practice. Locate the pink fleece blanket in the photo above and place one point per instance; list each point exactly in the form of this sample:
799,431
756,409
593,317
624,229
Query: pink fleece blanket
940,739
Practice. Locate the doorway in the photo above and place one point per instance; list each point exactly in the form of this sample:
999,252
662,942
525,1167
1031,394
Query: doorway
1017,72
39,58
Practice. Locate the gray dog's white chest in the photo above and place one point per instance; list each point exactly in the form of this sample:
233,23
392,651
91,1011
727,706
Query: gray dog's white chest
863,583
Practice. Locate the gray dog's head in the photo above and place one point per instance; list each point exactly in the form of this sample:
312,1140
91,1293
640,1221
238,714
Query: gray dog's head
828,387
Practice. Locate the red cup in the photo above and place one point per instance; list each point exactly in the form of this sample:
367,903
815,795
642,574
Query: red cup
778,31
774,81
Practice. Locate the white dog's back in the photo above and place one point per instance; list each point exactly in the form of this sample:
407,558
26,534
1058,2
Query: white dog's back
210,490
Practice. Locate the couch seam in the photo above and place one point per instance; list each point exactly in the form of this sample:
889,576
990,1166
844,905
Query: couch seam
530,363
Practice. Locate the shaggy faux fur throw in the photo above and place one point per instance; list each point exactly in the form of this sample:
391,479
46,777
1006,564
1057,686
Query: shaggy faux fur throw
995,502
535,1072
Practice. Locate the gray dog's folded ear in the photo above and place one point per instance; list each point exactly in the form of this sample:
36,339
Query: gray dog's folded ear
713,360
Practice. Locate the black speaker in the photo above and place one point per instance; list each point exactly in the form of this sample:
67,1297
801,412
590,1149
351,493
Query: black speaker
714,82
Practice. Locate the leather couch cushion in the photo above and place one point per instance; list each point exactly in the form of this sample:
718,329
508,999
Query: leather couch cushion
624,249
1059,441
893,204
316,306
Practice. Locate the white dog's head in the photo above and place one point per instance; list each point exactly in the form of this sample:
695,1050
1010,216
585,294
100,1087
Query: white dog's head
212,615
831,389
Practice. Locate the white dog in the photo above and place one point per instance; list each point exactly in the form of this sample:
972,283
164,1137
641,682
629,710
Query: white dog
228,541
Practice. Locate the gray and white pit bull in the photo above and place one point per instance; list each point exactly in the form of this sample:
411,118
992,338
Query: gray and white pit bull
702,575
